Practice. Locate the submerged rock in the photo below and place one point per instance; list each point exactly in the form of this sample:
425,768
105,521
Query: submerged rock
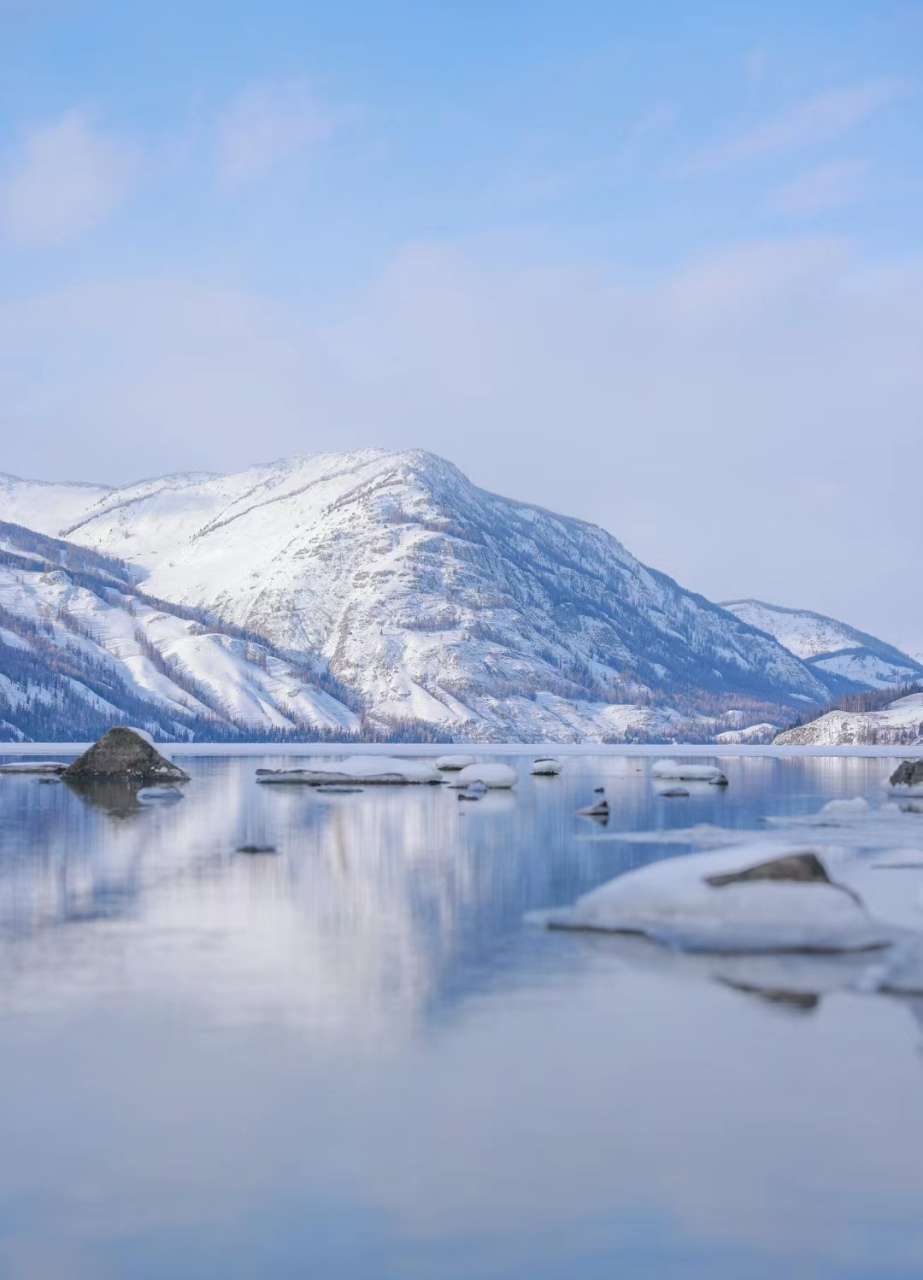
126,754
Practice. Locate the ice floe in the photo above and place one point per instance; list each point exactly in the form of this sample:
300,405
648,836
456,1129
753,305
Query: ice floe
157,795
453,764
735,900
369,770
493,776
53,767
672,770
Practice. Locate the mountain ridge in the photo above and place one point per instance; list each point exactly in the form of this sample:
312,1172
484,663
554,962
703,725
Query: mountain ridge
836,651
437,601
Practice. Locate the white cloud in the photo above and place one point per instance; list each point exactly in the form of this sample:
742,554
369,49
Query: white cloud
67,178
267,125
817,120
829,186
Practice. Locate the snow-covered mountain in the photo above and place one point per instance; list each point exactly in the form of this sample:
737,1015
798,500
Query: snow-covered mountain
435,600
899,723
81,647
835,651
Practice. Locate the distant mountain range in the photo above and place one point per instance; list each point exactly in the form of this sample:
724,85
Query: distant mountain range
378,593
834,651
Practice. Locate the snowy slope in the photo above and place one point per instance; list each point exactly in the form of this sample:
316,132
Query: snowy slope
439,601
831,648
46,507
80,648
897,724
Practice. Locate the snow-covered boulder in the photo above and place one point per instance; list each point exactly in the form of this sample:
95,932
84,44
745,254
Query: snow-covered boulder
125,754
494,776
743,899
369,770
453,764
546,767
674,771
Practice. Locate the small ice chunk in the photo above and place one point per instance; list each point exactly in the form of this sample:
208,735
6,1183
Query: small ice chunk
151,795
672,770
453,764
498,777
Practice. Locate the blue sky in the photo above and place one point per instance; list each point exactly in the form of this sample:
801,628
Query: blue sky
658,266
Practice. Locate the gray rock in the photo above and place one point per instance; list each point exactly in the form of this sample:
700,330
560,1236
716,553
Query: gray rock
909,773
806,868
123,753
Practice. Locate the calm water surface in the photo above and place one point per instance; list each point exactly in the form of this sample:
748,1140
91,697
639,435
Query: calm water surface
354,1058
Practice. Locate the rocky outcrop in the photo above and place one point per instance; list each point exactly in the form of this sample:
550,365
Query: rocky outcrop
908,774
125,754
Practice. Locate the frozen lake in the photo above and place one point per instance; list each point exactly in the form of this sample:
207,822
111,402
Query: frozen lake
354,1059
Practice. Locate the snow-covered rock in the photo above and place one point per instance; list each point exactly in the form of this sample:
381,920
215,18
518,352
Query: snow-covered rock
453,764
496,777
437,601
907,779
835,651
41,767
732,900
684,772
546,767
371,770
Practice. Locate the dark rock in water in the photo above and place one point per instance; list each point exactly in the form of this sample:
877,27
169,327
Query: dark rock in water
123,753
909,773
256,848
595,810
806,868
797,1001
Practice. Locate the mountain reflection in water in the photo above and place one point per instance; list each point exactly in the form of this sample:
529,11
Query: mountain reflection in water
353,1057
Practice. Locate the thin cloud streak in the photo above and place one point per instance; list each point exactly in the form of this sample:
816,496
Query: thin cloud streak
269,125
829,186
817,120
